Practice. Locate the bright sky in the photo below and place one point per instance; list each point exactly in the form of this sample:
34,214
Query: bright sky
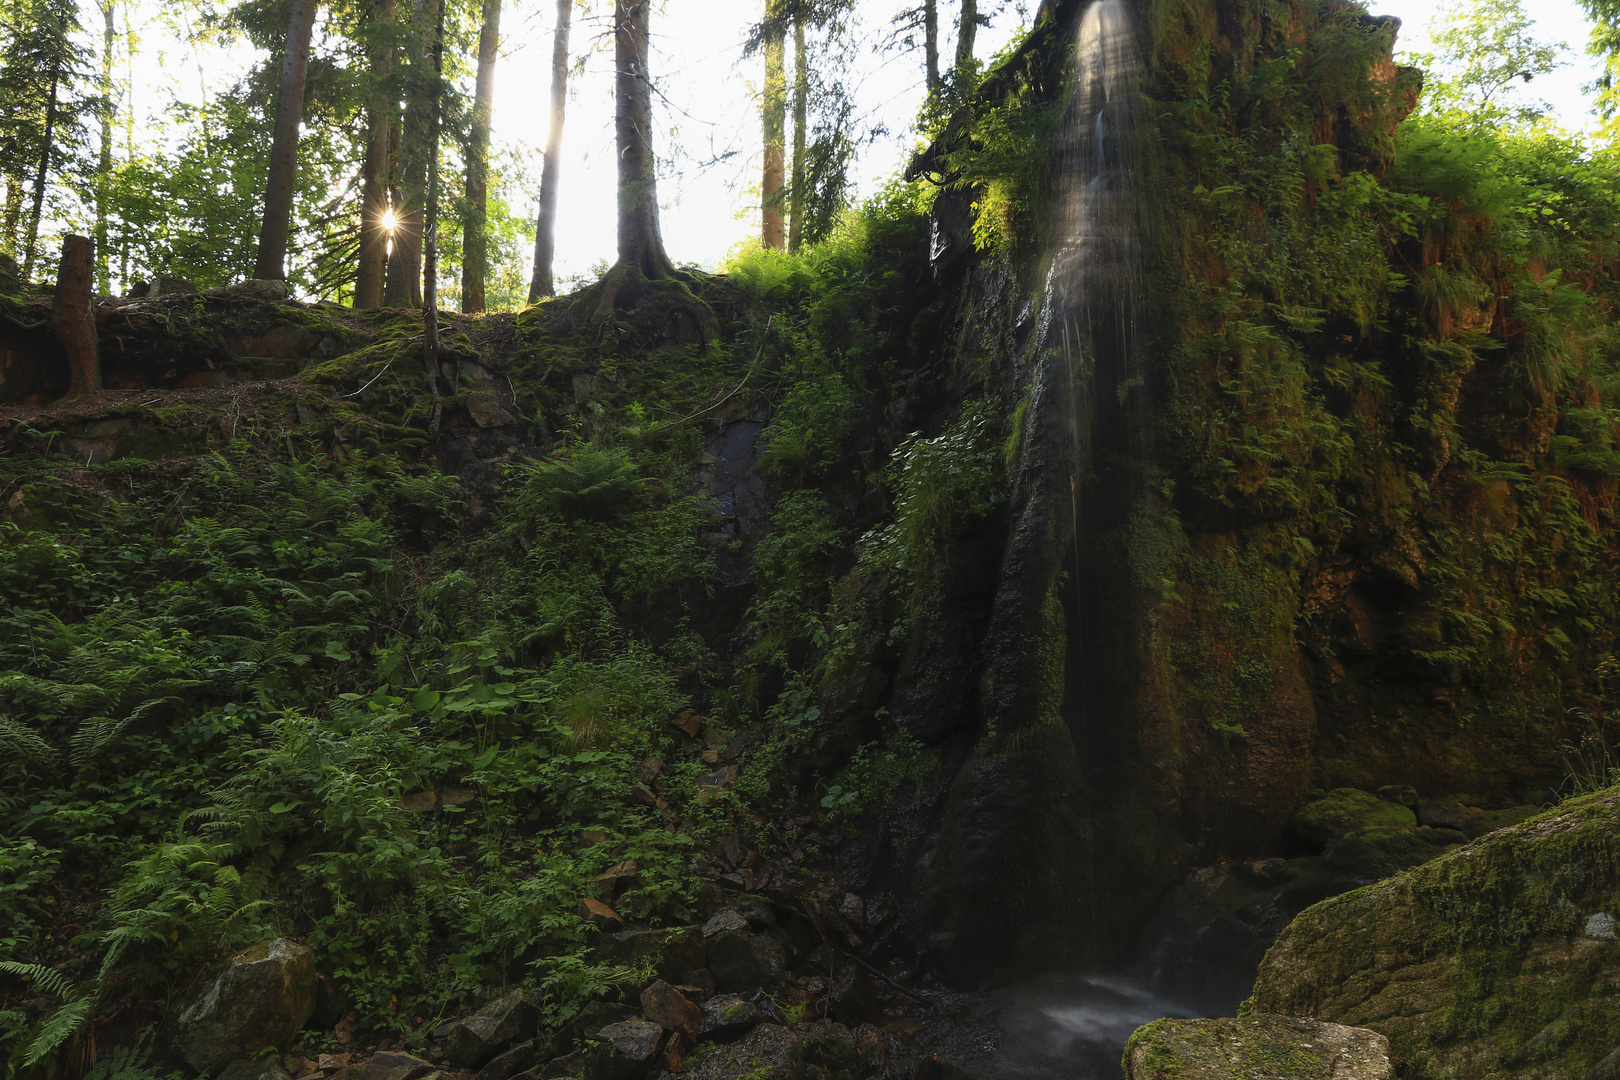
708,207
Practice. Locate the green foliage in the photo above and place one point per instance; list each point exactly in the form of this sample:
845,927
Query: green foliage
875,774
1484,55
587,484
940,485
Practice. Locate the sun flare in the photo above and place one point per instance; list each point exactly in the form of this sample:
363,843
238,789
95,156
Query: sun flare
390,220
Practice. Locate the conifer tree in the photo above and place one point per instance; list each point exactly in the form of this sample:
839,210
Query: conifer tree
474,237
41,109
278,197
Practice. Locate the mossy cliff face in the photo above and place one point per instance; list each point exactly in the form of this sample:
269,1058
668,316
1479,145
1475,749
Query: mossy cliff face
1499,959
1328,539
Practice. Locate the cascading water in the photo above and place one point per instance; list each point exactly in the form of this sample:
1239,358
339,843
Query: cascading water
1091,387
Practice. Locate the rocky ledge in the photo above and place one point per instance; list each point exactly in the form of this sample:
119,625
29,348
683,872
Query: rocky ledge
1497,959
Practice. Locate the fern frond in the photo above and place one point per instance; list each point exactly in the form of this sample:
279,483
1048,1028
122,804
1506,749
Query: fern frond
62,1025
23,741
46,980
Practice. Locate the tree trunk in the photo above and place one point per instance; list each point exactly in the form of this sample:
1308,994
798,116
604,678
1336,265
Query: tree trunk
545,226
931,43
39,180
774,109
967,29
368,280
404,288
641,245
801,113
73,319
104,163
278,192
13,215
474,233
430,233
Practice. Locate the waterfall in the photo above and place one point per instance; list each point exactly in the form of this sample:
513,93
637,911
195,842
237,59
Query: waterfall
1095,284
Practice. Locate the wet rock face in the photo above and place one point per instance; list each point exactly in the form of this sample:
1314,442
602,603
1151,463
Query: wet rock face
1497,959
259,1000
1256,1048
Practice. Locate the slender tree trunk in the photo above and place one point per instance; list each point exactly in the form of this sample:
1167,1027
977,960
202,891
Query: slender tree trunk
474,230
641,245
545,226
967,28
73,320
774,109
931,43
430,233
104,164
278,193
801,115
13,217
404,288
368,280
39,180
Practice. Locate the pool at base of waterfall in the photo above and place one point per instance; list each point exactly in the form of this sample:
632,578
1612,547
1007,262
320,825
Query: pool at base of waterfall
1059,1028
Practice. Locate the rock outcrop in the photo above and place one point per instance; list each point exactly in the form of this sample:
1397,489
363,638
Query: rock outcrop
1498,959
1256,1048
258,1000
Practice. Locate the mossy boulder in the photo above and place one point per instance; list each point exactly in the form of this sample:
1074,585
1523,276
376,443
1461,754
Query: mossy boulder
1255,1048
1497,959
1346,810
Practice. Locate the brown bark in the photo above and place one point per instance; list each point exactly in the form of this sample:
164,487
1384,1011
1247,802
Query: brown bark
278,194
774,112
545,226
474,232
73,319
368,281
967,29
641,245
404,287
801,113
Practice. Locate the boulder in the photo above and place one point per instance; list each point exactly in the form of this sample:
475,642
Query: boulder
259,1000
742,960
1442,814
1345,810
624,1050
1250,1047
1369,854
254,1070
586,1023
272,292
520,1058
472,1042
1478,963
485,409
170,286
1401,794
727,1018
668,1008
672,952
1491,820
390,1065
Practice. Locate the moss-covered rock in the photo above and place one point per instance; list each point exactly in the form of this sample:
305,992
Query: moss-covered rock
1347,810
1255,1048
1498,959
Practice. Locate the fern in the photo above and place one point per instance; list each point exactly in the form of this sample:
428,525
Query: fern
61,1025
22,741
